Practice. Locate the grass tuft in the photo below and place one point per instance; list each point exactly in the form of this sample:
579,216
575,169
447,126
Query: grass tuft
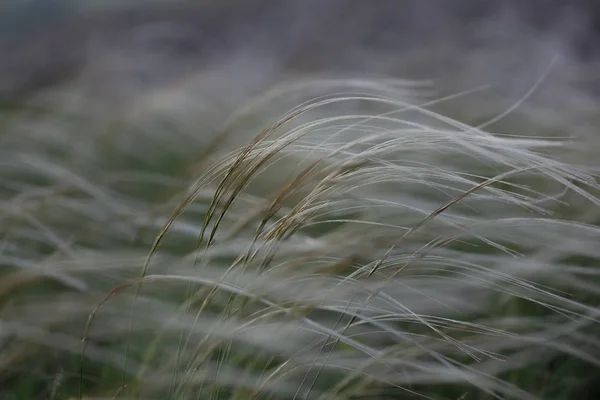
362,245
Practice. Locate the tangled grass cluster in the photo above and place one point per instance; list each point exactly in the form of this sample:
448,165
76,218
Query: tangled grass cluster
336,239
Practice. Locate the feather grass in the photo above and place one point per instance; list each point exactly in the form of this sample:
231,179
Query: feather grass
362,245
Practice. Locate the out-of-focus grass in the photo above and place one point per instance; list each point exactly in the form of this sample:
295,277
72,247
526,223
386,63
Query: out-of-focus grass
315,269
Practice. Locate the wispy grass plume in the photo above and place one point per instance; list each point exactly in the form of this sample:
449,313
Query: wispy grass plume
338,239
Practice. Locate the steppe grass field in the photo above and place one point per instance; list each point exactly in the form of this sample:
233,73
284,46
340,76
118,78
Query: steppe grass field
339,237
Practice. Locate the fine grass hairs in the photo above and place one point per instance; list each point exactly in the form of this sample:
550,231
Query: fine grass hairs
361,245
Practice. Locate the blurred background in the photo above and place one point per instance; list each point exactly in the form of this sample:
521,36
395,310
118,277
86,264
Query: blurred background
206,58
124,48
